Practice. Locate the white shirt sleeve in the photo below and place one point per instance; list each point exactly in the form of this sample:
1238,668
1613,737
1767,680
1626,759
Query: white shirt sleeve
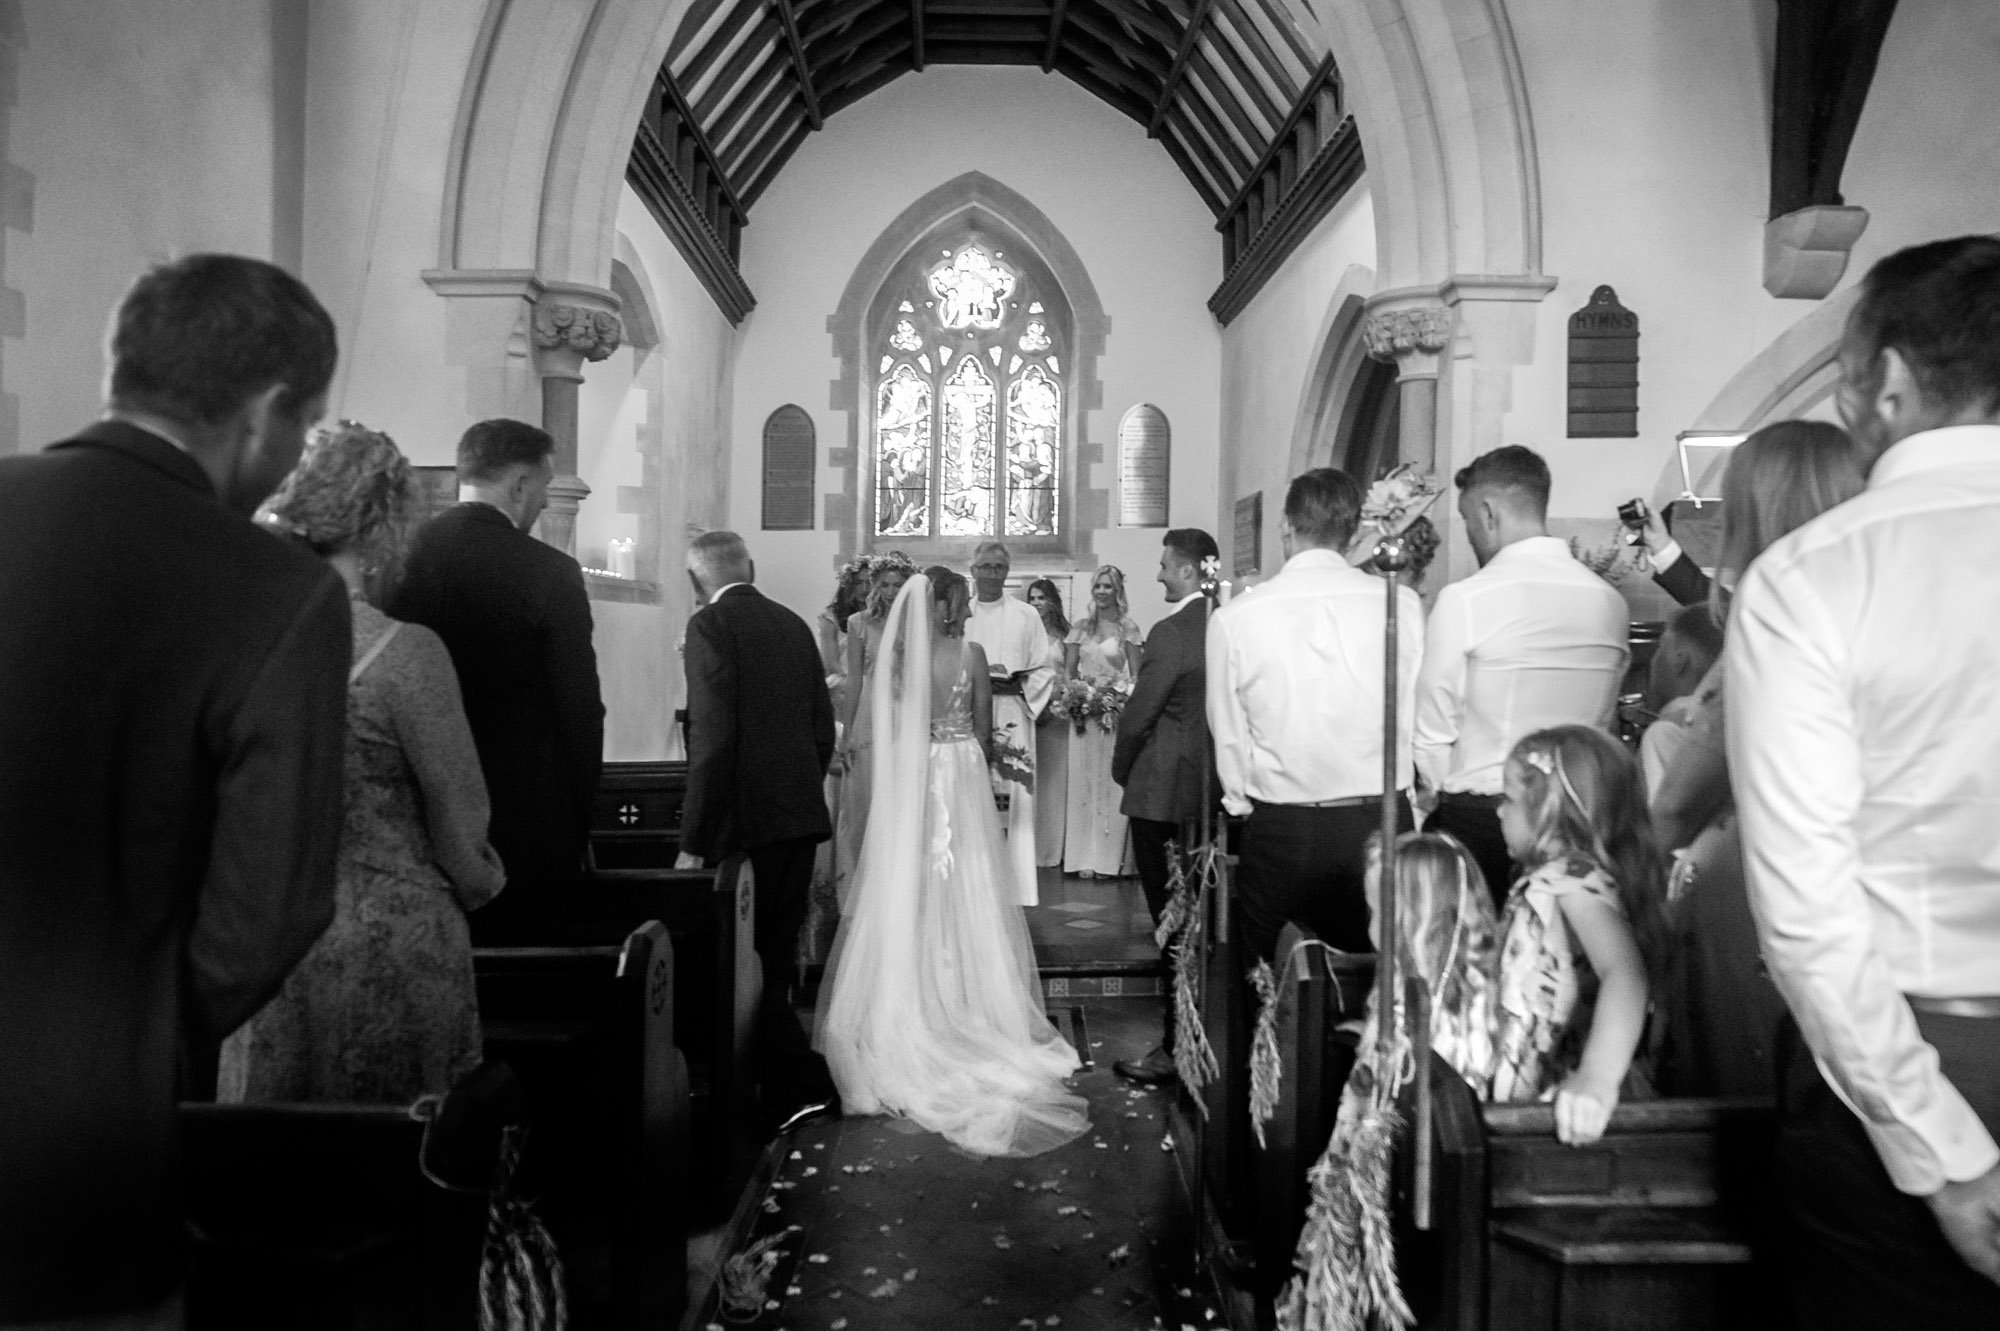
1796,764
1663,558
1225,719
1040,653
1441,687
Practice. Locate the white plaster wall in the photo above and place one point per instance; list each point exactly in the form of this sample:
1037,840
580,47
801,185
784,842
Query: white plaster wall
1268,366
148,127
1140,229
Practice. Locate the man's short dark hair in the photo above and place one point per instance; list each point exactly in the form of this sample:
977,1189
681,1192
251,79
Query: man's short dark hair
1939,306
491,447
1513,468
196,338
1191,544
1324,507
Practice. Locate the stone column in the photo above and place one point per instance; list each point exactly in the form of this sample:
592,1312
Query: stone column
1411,329
572,325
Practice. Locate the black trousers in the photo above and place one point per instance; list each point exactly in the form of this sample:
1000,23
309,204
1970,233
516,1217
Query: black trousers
793,1073
1860,1253
1149,851
1475,821
1296,862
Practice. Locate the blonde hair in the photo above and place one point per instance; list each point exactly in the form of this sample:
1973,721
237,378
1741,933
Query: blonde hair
1117,576
352,490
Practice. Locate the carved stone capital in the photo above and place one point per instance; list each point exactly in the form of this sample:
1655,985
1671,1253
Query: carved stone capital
557,526
1805,252
1412,336
588,334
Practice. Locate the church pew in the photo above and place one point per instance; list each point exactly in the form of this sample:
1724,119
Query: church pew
1657,1225
322,1215
1314,1057
711,916
591,1031
635,816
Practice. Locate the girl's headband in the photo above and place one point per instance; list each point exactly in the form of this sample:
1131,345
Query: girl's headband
1549,762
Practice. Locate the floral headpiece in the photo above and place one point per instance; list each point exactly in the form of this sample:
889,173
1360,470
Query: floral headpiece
1549,762
1390,506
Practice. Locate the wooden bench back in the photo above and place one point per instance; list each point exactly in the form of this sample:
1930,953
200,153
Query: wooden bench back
635,816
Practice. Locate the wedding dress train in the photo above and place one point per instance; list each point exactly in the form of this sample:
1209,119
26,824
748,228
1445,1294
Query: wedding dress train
932,1006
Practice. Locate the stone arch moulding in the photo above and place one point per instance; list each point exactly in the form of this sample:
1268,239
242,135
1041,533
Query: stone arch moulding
1791,376
1337,356
981,200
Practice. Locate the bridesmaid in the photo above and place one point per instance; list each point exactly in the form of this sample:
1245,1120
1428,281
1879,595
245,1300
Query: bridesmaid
1102,648
1051,740
864,638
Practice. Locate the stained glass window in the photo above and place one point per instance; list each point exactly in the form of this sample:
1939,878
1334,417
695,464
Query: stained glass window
903,455
963,448
1034,424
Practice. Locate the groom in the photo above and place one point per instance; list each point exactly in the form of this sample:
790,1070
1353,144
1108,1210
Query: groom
1024,676
1162,750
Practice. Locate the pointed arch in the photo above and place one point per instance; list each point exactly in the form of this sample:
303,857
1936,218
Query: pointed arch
976,202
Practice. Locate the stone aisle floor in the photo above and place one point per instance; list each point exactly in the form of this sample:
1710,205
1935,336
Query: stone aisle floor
885,1226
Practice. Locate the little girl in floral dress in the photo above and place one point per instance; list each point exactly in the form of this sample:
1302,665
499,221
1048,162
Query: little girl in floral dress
1582,928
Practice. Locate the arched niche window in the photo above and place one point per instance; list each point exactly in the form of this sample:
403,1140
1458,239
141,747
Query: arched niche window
971,342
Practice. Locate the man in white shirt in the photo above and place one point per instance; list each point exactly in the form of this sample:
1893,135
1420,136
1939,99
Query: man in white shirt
1295,689
1533,639
1864,748
1024,677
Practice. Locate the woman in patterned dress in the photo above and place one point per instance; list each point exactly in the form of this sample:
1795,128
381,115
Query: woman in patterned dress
1583,928
382,1009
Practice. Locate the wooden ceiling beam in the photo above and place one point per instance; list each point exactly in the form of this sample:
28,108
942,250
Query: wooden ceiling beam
776,162
1825,62
1281,23
750,96
1098,83
868,59
886,74
832,53
1270,105
697,16
1198,174
1209,90
1111,48
990,32
746,121
1235,160
832,17
760,153
1190,38
1141,21
1055,35
1261,50
917,35
788,20
760,44
712,49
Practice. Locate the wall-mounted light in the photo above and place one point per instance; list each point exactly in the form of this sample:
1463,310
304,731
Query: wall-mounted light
1704,457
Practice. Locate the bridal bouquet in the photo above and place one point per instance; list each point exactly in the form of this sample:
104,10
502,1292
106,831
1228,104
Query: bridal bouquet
1082,702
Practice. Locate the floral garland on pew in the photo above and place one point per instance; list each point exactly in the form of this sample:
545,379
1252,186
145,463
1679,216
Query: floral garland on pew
1266,1066
1181,926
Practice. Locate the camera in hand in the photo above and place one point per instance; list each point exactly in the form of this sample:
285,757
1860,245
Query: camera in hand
1634,513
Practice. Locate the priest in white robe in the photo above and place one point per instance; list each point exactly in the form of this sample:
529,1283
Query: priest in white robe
1024,678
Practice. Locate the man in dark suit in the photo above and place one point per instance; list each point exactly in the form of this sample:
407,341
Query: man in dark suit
1678,575
515,615
760,734
173,686
1162,749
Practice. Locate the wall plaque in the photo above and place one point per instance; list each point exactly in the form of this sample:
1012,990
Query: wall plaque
1249,535
790,452
1603,369
1144,448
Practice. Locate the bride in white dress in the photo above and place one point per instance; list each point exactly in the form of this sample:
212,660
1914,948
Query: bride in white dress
932,1007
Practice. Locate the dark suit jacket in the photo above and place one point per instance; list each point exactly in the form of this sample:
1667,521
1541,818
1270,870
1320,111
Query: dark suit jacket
173,685
1683,580
759,727
514,613
1162,733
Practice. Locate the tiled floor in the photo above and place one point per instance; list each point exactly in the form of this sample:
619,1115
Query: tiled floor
887,1226
1083,922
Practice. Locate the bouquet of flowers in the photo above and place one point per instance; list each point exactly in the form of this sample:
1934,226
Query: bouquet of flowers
1391,505
1082,701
